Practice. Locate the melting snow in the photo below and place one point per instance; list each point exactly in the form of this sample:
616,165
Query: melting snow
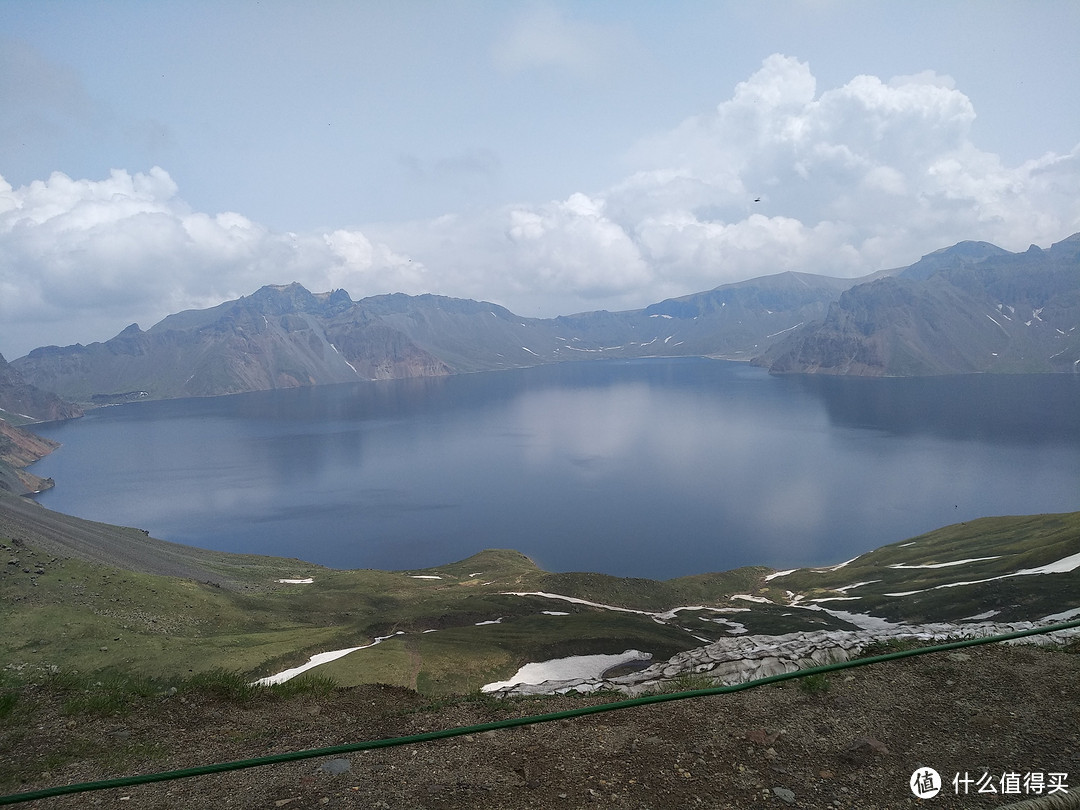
946,564
856,585
568,669
1064,616
776,574
316,660
423,576
735,628
981,616
796,326
1062,566
861,620
307,581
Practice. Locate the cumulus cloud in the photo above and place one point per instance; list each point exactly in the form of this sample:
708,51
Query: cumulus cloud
780,176
867,175
80,259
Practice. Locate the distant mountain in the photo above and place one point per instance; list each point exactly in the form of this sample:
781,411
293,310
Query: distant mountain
970,308
21,402
286,336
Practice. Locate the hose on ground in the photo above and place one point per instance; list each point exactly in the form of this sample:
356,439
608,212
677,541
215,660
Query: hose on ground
336,750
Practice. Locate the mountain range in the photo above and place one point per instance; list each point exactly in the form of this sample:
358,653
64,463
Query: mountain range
969,308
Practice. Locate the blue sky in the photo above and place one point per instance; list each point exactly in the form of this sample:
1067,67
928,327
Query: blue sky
553,157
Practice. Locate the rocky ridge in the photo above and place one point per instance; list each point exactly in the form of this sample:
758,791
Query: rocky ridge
966,309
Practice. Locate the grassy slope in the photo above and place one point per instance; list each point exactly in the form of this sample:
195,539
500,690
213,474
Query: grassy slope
58,609
1015,543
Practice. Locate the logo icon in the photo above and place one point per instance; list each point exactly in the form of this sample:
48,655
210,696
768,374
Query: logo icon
925,783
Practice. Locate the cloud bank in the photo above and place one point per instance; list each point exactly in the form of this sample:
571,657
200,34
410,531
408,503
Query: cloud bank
778,177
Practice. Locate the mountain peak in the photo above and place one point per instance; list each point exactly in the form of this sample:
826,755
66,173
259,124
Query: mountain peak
962,253
280,299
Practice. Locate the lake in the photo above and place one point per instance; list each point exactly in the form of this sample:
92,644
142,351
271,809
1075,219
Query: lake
650,468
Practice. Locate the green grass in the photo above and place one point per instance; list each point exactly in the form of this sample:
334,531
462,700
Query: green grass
82,617
1014,543
815,684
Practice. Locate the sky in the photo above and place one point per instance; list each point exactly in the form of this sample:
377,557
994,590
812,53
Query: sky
553,157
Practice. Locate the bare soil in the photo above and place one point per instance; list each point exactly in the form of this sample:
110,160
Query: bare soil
851,743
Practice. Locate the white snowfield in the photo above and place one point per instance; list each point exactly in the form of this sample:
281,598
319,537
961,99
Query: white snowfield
307,581
574,667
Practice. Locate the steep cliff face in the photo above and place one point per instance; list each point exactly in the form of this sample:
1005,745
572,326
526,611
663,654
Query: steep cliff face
272,339
971,308
20,401
18,449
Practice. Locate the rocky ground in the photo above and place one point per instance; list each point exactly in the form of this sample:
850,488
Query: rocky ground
851,742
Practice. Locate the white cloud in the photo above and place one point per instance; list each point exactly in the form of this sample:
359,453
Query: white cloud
781,176
80,259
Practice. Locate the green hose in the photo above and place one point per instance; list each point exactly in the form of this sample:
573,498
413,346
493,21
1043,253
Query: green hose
333,750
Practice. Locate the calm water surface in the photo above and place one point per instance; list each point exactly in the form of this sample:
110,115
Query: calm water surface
653,468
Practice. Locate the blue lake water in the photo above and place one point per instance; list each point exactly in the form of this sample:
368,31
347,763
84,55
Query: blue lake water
653,468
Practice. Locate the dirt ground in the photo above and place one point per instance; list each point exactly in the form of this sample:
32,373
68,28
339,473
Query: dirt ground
851,743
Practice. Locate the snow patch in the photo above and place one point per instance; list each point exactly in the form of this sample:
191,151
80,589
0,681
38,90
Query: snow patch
568,669
1062,566
318,660
796,326
774,575
946,564
1064,616
846,588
